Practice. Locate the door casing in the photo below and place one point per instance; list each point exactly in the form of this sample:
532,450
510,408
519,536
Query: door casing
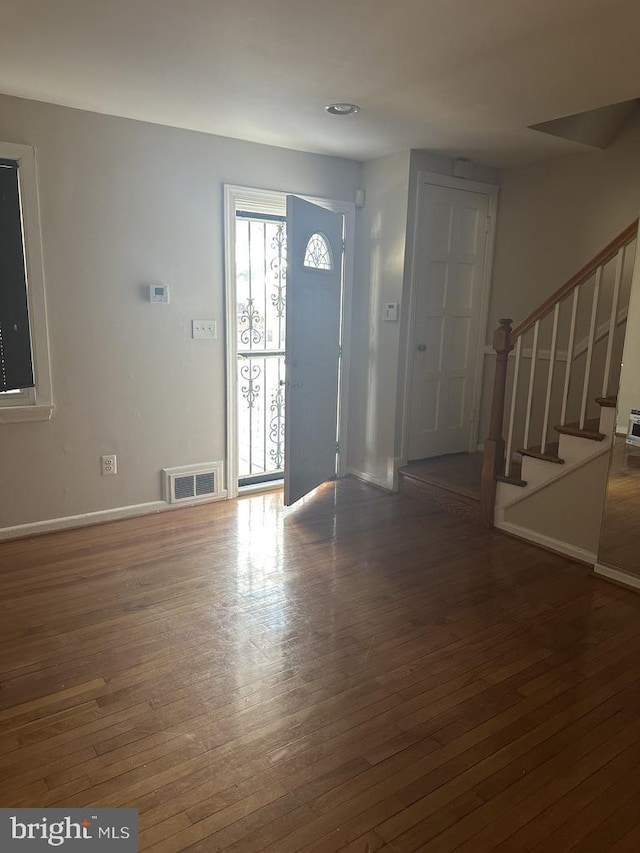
274,201
426,179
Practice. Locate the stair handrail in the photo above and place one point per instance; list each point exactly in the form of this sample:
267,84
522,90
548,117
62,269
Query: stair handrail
608,253
506,338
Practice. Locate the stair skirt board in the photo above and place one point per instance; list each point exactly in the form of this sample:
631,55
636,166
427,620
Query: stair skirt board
548,542
559,472
617,576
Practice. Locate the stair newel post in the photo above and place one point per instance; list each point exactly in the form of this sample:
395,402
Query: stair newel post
493,461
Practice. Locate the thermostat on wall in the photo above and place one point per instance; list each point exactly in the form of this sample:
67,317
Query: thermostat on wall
390,311
158,292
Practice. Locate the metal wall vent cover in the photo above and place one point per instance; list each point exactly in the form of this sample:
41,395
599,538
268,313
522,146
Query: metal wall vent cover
183,487
193,483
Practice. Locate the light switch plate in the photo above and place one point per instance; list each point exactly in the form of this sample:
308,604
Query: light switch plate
204,329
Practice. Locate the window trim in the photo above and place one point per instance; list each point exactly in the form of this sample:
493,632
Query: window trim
34,404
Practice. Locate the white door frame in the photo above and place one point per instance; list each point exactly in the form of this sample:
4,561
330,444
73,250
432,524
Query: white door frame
426,179
274,202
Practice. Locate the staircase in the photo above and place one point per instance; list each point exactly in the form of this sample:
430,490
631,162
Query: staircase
543,473
553,408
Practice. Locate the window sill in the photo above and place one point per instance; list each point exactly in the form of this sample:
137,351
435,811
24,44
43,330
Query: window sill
16,414
260,488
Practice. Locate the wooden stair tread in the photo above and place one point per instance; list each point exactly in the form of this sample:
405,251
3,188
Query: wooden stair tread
550,453
591,430
512,481
609,402
515,476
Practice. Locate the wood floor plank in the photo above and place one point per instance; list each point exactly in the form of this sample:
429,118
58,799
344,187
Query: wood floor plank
587,805
51,699
498,818
357,673
630,843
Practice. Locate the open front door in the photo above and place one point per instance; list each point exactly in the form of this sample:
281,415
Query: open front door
314,294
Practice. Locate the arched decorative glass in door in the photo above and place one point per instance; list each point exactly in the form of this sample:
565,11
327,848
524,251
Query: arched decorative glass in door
318,255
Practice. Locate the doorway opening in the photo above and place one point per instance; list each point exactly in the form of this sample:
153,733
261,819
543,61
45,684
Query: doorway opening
260,261
275,365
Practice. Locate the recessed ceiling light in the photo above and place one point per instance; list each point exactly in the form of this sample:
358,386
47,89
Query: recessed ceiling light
342,109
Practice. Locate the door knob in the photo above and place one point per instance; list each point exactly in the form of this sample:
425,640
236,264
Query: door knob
422,347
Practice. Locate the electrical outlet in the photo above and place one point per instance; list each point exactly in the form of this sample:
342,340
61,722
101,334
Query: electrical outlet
109,465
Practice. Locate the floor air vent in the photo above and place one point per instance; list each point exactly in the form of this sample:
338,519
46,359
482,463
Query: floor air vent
193,483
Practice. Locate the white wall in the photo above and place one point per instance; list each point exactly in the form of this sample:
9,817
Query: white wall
380,250
123,203
555,215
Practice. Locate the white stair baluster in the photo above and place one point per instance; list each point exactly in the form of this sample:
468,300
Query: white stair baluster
570,346
512,414
552,362
613,322
532,376
592,334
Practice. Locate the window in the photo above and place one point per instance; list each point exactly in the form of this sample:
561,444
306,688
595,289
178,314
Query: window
318,253
16,369
25,379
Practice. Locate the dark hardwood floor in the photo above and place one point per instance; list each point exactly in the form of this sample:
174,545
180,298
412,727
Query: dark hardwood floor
460,472
450,482
357,673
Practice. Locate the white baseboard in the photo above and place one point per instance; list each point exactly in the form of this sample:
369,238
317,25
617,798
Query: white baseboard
557,545
398,463
35,528
617,575
370,479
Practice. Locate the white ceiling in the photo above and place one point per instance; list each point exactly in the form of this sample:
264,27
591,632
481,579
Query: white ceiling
461,77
